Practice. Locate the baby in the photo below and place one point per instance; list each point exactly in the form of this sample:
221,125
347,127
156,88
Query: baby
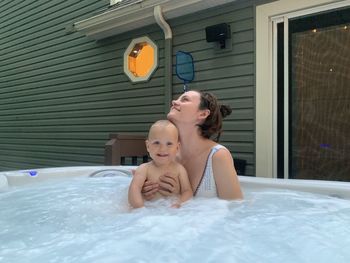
162,145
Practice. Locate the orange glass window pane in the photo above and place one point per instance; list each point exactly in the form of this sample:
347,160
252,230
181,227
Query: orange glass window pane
141,59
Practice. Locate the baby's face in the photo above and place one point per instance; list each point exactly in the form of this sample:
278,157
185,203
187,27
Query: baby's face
163,144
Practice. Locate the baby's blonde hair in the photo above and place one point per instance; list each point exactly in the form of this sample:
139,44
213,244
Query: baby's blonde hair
162,123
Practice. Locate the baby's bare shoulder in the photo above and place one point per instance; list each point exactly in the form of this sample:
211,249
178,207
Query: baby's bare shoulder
142,167
179,168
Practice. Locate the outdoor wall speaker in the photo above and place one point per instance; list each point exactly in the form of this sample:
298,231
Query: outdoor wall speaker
218,33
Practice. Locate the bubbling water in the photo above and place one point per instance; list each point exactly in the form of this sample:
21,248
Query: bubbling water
89,220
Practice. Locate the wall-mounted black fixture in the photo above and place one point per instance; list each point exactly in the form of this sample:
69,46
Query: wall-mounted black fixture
218,33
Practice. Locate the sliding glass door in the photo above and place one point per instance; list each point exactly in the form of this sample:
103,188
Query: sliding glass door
313,96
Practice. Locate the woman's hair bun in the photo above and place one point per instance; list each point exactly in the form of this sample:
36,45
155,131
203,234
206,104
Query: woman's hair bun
225,110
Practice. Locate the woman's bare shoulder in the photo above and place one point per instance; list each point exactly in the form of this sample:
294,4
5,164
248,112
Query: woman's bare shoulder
222,155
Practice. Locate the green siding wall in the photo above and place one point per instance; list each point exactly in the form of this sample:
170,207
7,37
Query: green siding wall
62,94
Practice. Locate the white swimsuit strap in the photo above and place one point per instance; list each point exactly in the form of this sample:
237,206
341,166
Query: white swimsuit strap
207,185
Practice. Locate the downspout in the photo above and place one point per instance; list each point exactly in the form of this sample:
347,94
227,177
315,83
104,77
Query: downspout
168,49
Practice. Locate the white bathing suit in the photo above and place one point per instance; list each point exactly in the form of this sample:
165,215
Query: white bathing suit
207,185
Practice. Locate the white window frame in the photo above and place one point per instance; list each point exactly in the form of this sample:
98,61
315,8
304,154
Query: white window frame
127,52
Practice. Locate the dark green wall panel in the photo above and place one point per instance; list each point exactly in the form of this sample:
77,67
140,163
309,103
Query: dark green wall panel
61,94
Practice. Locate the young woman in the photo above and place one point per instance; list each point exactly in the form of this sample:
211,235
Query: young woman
198,117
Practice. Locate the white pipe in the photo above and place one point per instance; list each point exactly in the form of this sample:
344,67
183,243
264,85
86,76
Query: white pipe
158,15
168,57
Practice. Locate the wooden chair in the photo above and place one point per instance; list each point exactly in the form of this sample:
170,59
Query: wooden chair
122,145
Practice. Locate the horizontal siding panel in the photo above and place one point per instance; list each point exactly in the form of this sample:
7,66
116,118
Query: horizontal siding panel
54,63
53,150
244,156
246,103
223,72
231,14
229,61
96,154
105,84
76,96
70,55
241,125
232,92
242,114
61,95
229,82
67,77
235,93
131,102
85,72
237,136
206,55
242,25
240,48
81,121
46,16
17,7
243,36
86,113
241,52
15,143
5,5
57,45
241,33
242,147
50,20
29,136
27,162
33,19
139,126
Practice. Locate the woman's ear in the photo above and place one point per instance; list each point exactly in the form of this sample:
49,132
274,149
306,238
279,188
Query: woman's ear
204,114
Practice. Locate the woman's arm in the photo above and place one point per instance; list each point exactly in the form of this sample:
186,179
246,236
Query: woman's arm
135,188
185,185
225,176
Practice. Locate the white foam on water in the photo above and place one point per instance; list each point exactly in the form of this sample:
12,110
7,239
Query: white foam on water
88,220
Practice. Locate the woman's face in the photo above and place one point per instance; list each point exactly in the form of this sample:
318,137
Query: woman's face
185,108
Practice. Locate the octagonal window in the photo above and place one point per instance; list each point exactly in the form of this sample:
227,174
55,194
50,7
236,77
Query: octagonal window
140,59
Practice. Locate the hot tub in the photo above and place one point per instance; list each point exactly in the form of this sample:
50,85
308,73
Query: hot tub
80,214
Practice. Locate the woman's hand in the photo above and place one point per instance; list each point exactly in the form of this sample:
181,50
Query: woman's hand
169,184
149,189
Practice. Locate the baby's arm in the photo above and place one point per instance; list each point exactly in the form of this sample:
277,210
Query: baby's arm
135,195
185,186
